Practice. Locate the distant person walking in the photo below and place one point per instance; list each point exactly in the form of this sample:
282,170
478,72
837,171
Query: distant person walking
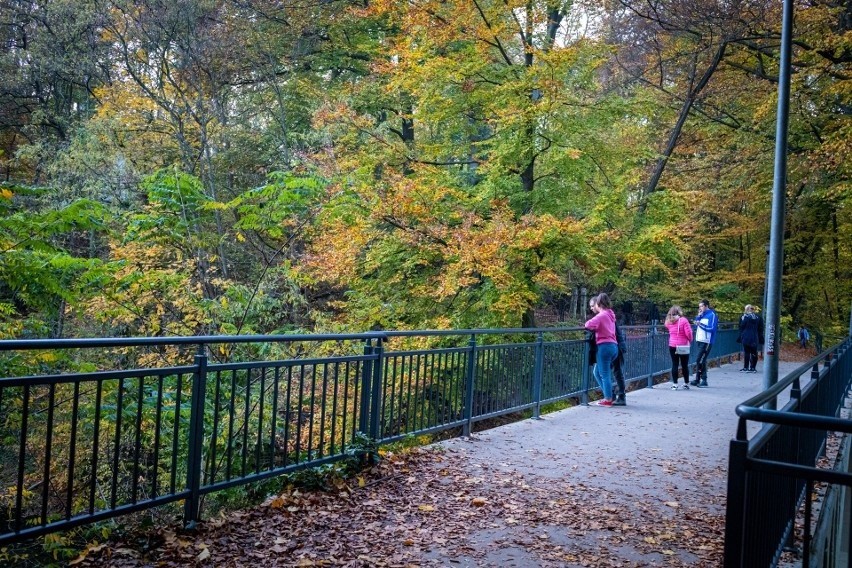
803,336
680,339
706,325
751,336
603,325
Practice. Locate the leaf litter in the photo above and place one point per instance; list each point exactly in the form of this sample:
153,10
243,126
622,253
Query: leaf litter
425,508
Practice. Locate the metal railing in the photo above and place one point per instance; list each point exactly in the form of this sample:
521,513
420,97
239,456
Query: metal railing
114,426
772,476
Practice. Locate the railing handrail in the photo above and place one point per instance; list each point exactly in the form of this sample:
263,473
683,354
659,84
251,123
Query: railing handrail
92,342
771,393
87,343
785,418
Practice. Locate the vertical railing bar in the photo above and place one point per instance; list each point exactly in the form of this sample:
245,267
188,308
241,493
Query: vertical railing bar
586,371
137,450
456,385
214,436
481,364
510,375
365,371
176,433
414,384
262,398
311,448
343,431
195,452
299,415
336,378
495,372
434,385
232,410
488,374
452,386
119,412
48,449
426,419
504,376
405,383
22,453
377,390
490,380
244,452
287,413
517,378
390,380
322,409
449,393
424,380
650,366
159,425
276,383
470,370
460,363
419,391
806,543
538,372
520,379
72,450
96,433
439,388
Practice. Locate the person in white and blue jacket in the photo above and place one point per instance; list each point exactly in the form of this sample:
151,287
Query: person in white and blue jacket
706,326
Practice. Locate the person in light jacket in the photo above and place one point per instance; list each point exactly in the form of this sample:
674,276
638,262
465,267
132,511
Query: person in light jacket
680,338
706,325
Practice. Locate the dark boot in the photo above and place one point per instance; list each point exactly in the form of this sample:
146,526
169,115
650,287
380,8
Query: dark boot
620,400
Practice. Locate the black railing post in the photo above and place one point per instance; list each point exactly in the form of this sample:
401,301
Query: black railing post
796,390
376,391
652,335
470,374
196,438
587,372
366,382
538,371
735,509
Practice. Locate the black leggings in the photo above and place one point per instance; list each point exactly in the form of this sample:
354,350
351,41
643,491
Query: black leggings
684,363
749,356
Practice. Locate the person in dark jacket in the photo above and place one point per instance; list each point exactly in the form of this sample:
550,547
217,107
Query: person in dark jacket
751,336
618,368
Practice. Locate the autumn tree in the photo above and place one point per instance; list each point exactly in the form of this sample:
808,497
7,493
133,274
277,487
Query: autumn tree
481,164
715,164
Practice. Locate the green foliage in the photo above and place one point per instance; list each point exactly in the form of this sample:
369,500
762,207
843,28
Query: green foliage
418,165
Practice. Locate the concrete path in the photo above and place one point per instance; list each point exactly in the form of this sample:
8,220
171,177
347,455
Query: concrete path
656,467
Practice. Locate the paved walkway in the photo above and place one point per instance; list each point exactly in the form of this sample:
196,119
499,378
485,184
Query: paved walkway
642,485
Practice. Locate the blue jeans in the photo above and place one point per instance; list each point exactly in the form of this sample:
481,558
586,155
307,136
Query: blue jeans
607,352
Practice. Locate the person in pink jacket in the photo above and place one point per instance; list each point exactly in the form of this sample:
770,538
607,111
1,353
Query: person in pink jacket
603,325
680,339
